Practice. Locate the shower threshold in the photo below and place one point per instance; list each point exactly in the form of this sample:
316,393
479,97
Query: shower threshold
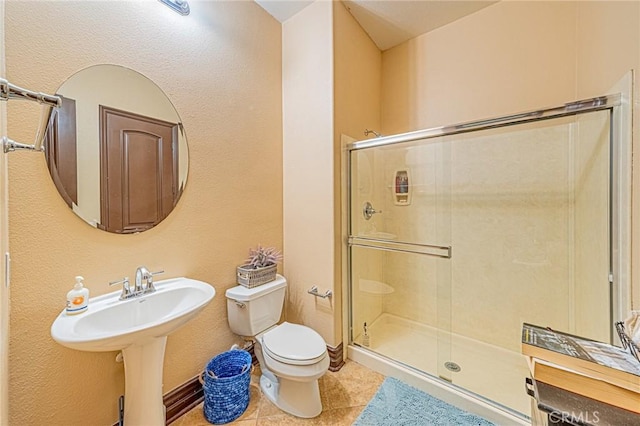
490,371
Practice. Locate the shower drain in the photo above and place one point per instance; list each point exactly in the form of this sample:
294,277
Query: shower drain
452,366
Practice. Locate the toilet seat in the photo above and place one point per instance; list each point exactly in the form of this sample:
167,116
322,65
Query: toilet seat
294,344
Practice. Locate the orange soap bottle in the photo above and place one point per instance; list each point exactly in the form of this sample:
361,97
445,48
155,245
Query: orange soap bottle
77,298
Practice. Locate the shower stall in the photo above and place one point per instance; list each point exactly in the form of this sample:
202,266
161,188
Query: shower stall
457,235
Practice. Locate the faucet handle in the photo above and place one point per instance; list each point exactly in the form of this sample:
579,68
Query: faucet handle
150,286
126,288
156,273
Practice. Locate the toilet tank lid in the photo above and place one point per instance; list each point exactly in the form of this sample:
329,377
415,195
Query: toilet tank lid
244,294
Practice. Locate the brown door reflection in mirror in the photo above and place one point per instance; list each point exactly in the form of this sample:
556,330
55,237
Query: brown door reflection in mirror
138,170
60,145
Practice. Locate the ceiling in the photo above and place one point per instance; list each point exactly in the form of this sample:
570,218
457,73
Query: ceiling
389,22
283,9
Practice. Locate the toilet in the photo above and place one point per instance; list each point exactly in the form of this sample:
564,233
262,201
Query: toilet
292,357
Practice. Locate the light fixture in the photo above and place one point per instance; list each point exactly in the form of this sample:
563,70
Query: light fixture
180,6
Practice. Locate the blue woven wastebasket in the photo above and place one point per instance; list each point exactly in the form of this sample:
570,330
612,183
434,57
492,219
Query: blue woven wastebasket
225,381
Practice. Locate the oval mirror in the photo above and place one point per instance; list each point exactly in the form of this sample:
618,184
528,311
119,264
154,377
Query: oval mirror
116,149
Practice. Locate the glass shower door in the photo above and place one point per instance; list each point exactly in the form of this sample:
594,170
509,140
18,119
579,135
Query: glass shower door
530,227
400,266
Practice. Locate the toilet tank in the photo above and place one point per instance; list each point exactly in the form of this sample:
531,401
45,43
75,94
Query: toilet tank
251,311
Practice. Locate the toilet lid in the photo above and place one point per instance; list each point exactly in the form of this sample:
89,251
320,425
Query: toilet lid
294,344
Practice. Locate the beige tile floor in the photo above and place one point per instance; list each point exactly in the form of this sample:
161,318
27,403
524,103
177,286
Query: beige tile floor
344,395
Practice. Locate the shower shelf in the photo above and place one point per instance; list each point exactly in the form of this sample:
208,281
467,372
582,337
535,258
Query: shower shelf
402,187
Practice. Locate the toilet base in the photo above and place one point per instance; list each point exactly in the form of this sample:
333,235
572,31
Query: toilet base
301,399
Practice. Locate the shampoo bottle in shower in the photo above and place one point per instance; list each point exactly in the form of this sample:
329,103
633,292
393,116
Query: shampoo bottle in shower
365,337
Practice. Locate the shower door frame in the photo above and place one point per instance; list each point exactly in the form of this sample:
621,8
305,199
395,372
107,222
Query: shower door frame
620,168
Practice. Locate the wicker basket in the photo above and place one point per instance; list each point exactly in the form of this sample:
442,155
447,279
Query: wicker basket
252,277
226,381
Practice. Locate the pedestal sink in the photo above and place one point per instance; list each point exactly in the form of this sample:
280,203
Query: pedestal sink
139,327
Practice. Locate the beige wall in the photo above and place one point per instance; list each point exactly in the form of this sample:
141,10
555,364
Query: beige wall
4,247
357,85
506,58
221,67
357,78
307,92
331,86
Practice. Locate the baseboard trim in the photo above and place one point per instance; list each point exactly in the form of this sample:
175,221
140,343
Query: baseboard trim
183,399
252,352
336,357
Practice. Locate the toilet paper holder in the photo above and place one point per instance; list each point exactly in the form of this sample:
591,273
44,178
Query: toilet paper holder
314,290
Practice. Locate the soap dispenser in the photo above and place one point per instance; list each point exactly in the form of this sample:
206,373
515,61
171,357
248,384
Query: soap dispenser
77,298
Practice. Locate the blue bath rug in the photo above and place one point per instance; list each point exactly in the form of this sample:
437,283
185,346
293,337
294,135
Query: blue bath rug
398,404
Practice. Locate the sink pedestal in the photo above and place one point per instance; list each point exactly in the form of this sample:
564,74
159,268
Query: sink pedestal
143,364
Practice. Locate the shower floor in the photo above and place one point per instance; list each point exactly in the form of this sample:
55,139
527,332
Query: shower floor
495,373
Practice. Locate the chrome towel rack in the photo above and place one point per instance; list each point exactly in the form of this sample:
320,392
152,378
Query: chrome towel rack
10,91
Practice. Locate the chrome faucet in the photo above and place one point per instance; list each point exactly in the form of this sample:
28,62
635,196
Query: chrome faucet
126,288
142,285
144,280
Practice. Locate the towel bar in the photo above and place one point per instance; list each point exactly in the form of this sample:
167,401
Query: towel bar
314,290
10,91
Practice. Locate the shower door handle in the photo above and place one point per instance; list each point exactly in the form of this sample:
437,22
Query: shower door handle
368,211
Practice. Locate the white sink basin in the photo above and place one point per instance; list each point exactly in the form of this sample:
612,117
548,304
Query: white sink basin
139,327
111,324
